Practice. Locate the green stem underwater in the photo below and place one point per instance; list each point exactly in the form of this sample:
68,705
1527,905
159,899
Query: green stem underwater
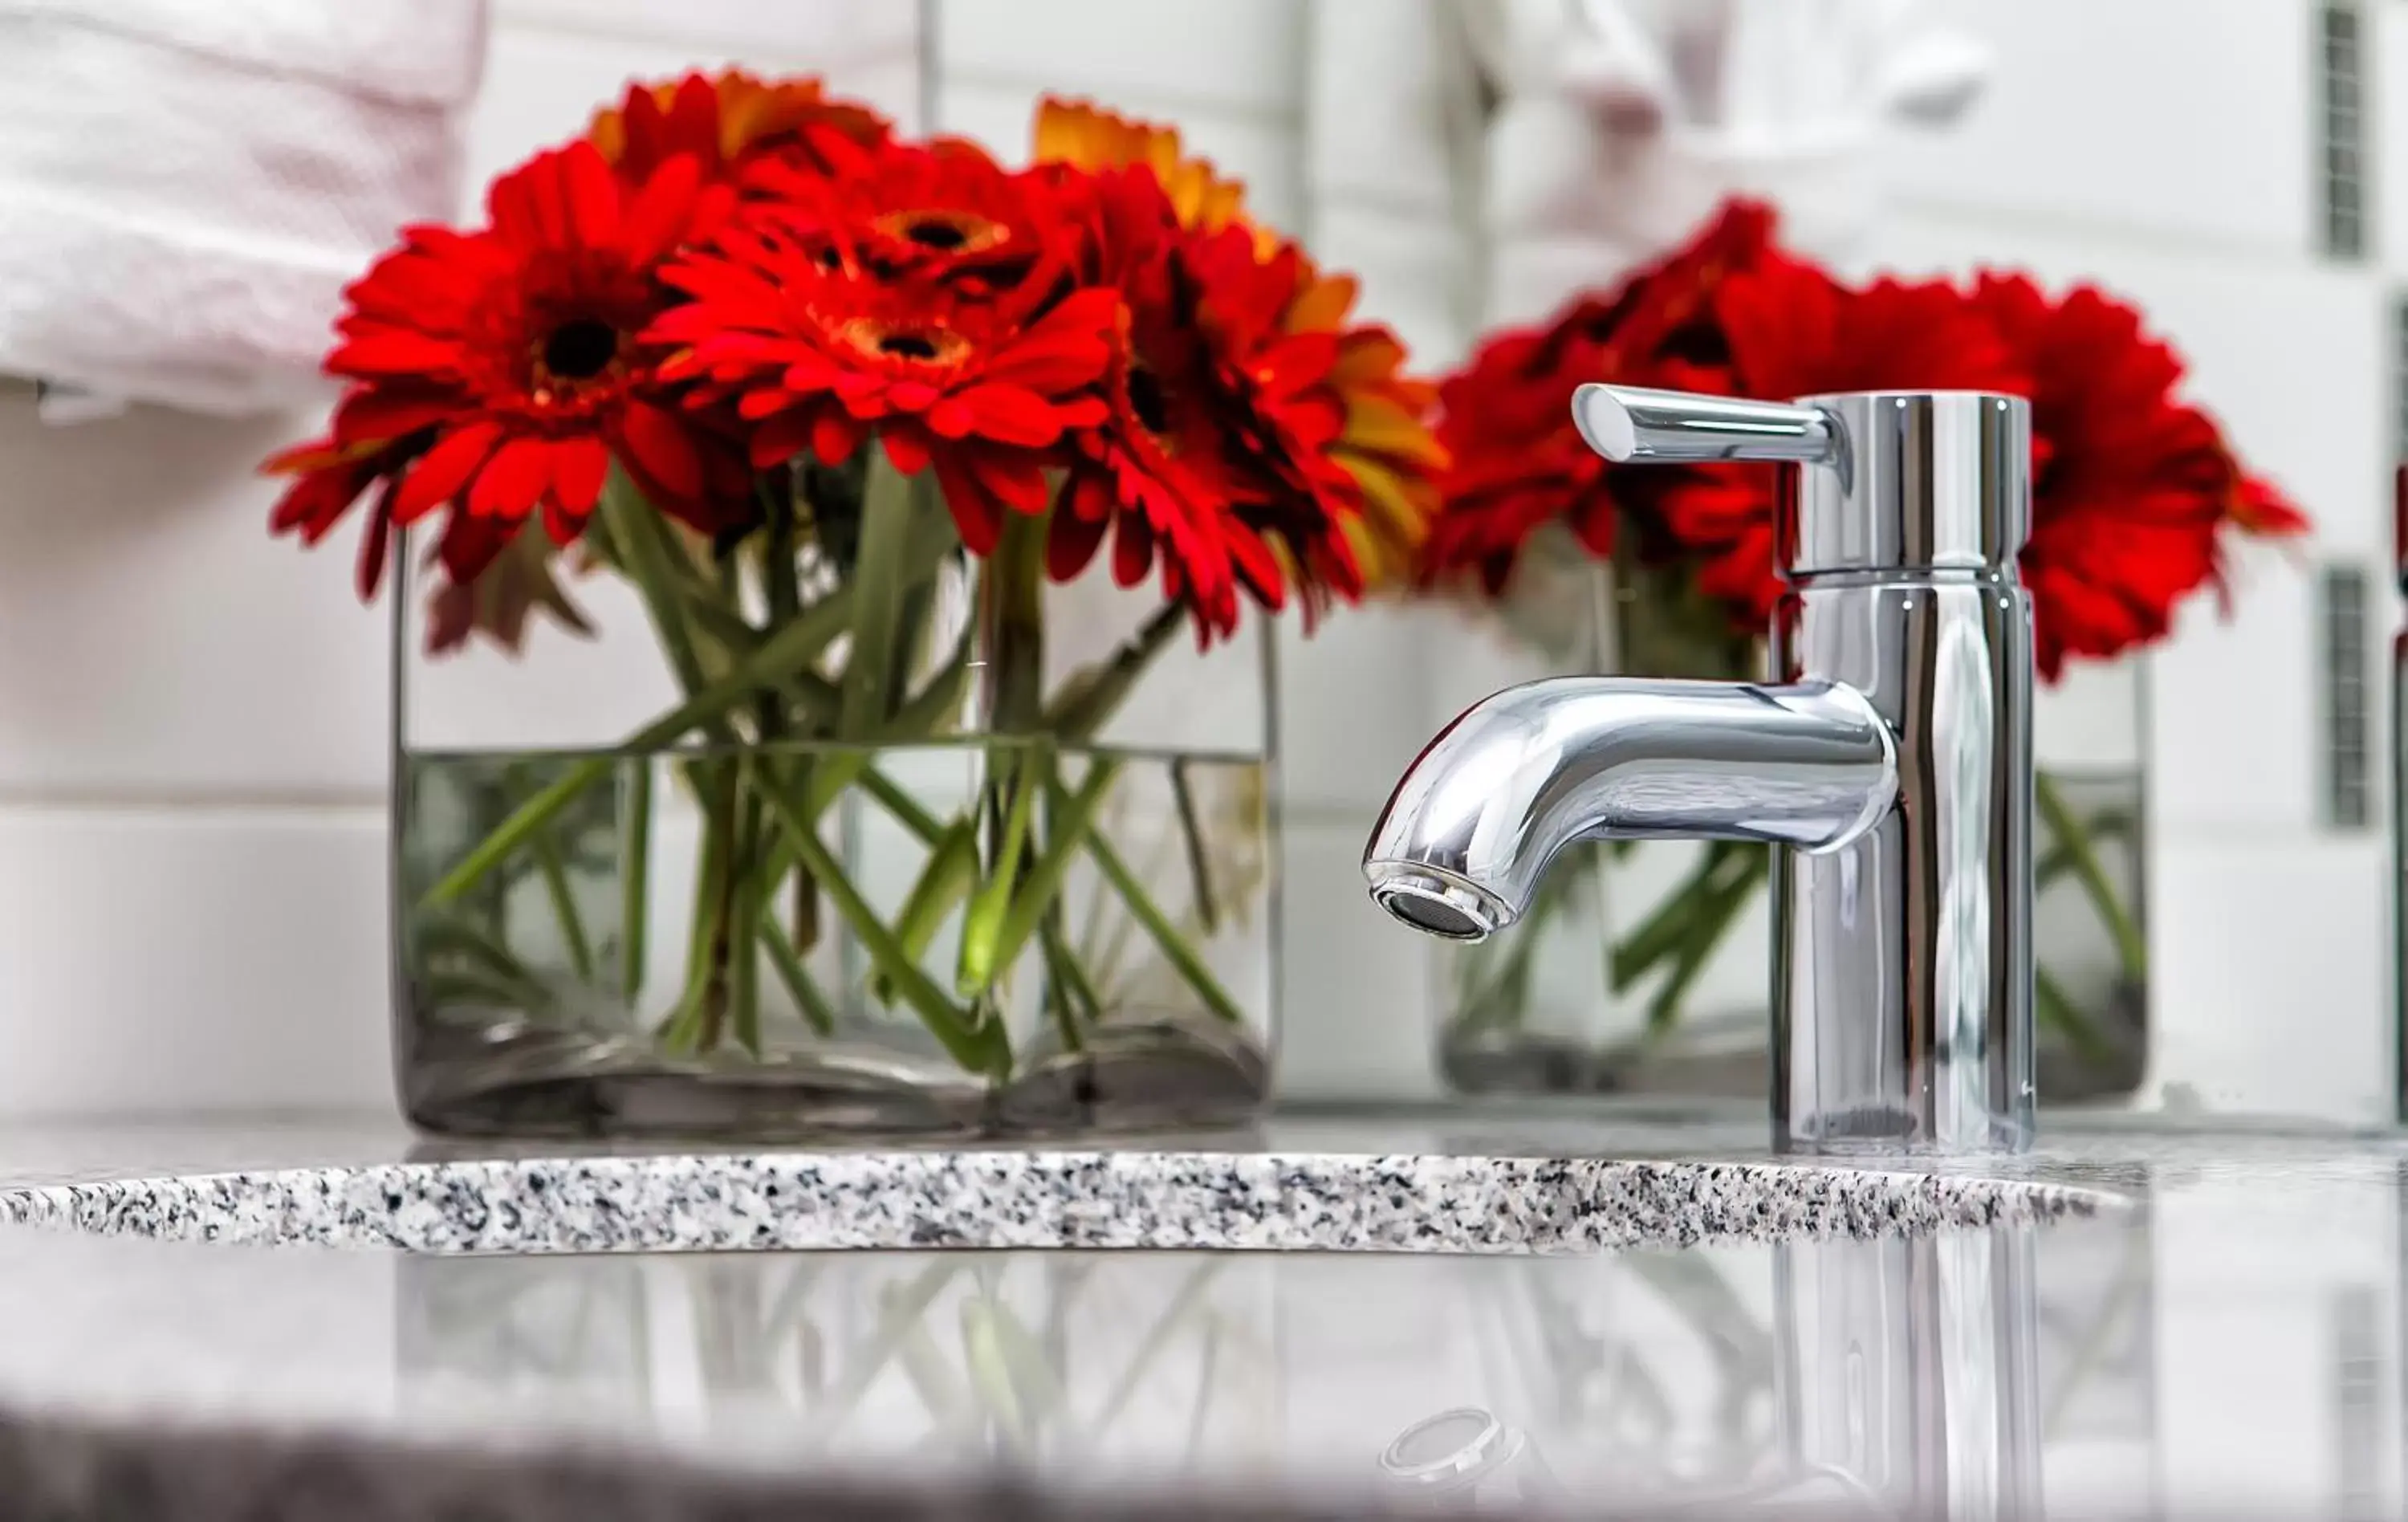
2074,839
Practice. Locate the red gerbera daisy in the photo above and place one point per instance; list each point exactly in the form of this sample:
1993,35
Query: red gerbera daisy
820,359
1791,330
1515,460
2130,487
1214,450
727,120
500,372
943,210
1155,470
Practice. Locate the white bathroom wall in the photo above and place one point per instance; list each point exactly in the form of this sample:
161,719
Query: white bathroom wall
192,716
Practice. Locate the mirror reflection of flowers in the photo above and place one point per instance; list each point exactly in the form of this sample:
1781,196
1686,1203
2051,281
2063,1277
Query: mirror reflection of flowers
748,347
2138,496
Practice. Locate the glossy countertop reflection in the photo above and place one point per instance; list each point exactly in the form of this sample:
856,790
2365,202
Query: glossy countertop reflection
2231,1345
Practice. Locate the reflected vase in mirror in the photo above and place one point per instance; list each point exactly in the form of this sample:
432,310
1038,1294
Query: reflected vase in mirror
1642,968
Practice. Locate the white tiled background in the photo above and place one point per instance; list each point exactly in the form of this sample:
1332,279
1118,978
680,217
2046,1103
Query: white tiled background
193,717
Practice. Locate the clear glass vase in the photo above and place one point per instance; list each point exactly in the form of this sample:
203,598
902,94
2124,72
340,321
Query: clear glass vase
1644,968
708,873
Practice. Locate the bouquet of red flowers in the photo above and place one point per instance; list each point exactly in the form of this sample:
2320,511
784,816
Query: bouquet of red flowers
2137,495
784,371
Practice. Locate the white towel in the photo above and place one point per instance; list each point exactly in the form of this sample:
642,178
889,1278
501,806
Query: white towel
186,185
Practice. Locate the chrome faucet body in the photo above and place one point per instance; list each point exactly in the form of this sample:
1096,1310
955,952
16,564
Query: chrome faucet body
1887,760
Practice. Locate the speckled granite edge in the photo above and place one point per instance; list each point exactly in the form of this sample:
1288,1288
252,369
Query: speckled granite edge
1041,1199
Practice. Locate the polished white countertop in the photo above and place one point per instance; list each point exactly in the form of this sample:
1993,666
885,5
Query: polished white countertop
2229,1340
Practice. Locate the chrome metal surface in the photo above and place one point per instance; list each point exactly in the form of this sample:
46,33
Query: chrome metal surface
1888,760
1503,790
1925,482
1631,422
1912,1381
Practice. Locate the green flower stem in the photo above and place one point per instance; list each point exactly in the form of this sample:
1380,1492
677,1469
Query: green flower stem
947,878
983,927
1061,1005
635,879
978,1048
1088,699
749,893
800,986
1067,824
470,985
1723,903
689,1022
887,510
641,538
1191,834
782,510
2058,1012
903,806
468,942
564,906
1671,924
2131,953
788,650
1071,994
1012,614
783,655
1165,935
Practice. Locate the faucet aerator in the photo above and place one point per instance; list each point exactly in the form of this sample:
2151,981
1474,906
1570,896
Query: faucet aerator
1434,905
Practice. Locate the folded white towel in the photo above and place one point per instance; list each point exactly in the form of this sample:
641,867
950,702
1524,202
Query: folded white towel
185,188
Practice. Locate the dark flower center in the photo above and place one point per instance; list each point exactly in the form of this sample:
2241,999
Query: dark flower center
945,230
1148,399
917,343
581,350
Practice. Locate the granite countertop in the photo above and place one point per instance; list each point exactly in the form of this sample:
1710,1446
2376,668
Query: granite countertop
1585,1314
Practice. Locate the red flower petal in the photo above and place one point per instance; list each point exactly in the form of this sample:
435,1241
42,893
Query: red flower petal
659,449
907,449
578,468
377,415
1072,541
659,219
1132,549
376,540
835,438
393,352
1012,477
513,481
977,515
444,470
592,197
1006,414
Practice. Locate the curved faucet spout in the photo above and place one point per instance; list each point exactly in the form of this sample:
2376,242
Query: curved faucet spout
1475,822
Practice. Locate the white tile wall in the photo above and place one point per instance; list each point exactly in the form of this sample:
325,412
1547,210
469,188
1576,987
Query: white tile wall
191,717
2153,119
194,717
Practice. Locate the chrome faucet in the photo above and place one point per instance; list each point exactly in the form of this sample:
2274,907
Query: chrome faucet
1889,762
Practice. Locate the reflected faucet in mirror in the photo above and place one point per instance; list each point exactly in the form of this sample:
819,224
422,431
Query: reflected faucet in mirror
1887,759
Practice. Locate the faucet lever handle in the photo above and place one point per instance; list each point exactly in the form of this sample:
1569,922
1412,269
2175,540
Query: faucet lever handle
1632,424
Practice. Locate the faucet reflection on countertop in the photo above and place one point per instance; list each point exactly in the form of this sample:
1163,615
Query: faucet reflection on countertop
1889,759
